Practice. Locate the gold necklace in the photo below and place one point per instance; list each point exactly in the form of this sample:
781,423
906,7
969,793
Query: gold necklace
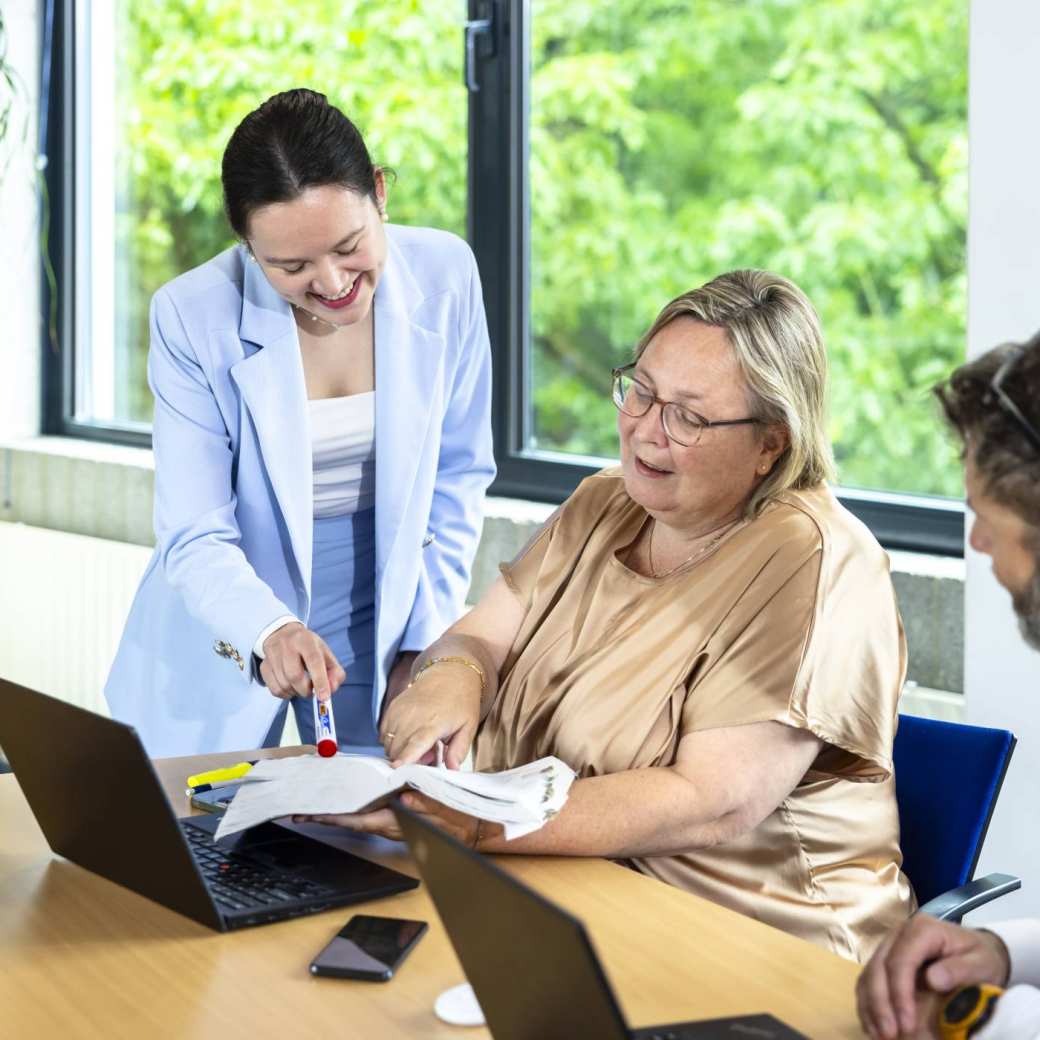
314,317
702,551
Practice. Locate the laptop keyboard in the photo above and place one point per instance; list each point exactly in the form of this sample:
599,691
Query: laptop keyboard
764,1026
239,882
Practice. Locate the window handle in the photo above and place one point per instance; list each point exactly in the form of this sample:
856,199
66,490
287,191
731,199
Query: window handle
474,28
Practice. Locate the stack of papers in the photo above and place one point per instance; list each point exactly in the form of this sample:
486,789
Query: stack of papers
520,799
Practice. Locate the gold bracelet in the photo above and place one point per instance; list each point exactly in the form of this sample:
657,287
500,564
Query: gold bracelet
454,660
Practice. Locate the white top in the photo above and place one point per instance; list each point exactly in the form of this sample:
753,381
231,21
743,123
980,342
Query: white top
343,447
1018,1013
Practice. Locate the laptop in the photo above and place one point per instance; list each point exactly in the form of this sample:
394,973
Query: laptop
98,801
530,963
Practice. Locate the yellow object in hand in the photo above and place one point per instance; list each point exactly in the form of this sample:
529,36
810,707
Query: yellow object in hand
966,1010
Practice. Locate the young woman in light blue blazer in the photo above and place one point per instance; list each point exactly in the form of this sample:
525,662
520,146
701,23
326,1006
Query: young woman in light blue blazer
322,448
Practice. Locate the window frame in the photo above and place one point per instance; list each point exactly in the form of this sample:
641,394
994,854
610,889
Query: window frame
497,227
498,212
58,127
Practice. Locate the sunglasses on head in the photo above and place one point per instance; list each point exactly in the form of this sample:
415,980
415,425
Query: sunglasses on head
1006,404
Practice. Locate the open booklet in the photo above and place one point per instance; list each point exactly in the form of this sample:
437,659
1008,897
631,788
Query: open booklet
520,799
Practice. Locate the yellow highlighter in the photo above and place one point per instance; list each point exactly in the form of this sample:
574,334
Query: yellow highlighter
217,777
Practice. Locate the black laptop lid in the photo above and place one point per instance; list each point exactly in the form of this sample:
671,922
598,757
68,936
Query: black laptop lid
98,800
530,964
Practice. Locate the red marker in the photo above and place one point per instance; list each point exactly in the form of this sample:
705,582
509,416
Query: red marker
324,728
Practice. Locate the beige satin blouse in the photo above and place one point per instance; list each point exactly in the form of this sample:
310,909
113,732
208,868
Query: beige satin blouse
792,618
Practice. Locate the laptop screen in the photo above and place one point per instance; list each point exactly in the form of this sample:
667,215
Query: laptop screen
530,963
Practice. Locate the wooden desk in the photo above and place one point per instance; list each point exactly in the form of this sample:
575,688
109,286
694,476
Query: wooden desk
82,957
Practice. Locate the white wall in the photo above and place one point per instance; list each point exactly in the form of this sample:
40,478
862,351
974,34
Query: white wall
1002,677
19,253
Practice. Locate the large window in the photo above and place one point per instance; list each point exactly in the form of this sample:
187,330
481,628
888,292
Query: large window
822,140
618,152
159,87
653,145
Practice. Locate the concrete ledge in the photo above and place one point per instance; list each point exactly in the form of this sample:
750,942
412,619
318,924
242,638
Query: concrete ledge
930,591
79,486
509,523
105,490
932,704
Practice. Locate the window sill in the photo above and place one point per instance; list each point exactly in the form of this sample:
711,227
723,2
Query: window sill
105,491
80,486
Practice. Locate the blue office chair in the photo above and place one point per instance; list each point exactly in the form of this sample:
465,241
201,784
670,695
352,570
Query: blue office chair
948,777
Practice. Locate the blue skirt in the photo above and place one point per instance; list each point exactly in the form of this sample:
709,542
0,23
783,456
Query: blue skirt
343,613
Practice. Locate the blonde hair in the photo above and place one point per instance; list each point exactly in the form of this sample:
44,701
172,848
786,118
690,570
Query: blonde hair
775,334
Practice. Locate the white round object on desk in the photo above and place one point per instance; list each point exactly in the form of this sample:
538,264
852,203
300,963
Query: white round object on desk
458,1007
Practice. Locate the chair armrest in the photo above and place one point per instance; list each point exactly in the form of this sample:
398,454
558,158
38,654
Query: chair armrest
953,905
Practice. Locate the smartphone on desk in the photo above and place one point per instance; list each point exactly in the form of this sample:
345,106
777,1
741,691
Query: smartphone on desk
369,948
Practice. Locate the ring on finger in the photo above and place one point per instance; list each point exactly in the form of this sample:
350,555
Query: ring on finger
390,735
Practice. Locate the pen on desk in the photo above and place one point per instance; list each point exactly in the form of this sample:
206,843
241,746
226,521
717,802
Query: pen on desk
324,728
200,788
217,777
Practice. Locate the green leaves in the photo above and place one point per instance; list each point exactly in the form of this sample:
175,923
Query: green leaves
190,70
823,140
670,140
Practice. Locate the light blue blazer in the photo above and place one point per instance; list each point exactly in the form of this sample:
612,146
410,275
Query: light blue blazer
234,493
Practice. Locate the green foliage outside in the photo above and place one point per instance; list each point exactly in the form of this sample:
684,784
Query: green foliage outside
8,92
670,141
190,70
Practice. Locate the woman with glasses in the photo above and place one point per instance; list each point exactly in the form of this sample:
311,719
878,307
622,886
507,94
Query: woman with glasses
704,634
322,446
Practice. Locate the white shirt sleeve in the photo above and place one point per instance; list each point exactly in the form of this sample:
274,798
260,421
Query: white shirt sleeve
1017,1016
285,619
1022,939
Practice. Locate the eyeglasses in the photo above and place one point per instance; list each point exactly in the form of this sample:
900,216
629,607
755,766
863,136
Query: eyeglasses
1007,405
680,424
